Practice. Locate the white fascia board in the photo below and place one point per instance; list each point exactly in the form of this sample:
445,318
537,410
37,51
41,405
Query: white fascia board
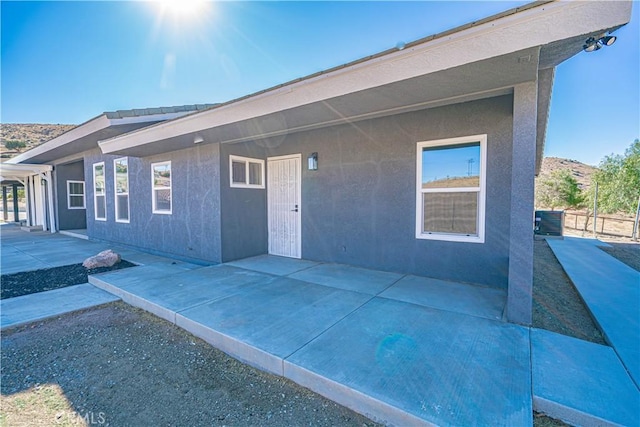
149,118
78,132
21,171
532,27
93,125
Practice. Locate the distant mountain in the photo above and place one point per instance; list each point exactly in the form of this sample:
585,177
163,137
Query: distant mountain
31,134
580,171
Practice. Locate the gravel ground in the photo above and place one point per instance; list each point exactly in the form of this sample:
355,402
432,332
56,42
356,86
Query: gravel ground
29,282
120,366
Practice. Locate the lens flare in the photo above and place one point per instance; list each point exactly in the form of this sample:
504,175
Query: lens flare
182,8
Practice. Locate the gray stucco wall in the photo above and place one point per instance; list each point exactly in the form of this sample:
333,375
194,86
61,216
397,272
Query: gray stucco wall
519,297
244,210
192,231
69,219
359,206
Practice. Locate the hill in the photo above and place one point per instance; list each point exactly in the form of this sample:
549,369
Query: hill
31,134
580,171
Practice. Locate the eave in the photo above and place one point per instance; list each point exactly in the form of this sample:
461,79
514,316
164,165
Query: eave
11,172
477,60
107,125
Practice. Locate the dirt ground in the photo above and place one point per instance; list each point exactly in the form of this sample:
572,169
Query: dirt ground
557,306
622,248
629,253
120,366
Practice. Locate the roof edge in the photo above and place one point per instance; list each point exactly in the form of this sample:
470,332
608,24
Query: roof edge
110,118
350,64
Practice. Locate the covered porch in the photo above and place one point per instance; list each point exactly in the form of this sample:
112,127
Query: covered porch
37,181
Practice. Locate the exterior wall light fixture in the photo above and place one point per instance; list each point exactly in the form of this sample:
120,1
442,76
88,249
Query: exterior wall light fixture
198,139
592,44
313,161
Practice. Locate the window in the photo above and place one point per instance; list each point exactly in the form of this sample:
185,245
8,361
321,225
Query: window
99,192
245,172
121,181
75,195
450,201
161,187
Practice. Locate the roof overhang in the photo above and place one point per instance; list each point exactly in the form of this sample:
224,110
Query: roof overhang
18,173
479,60
107,125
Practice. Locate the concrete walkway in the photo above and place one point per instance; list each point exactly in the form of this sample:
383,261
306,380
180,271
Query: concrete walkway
581,382
611,291
403,350
44,305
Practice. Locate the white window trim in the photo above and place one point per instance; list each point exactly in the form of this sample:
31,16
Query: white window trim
482,139
84,196
153,188
95,195
246,161
116,194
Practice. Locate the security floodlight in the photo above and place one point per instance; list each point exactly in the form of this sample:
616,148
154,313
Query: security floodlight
596,43
608,40
591,45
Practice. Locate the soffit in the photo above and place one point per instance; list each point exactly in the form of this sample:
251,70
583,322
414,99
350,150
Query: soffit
9,173
482,79
450,67
83,143
107,125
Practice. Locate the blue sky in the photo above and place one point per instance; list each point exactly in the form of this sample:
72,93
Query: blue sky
66,62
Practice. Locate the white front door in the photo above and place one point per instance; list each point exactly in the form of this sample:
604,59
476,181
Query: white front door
284,177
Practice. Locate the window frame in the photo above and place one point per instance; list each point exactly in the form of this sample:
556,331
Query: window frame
154,208
69,195
95,192
246,161
481,189
116,194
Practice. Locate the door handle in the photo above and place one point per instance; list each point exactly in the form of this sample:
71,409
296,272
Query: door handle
295,210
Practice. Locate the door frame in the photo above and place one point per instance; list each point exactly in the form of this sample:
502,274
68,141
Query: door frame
297,156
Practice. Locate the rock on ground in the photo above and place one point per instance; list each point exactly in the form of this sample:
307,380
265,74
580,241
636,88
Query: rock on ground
104,259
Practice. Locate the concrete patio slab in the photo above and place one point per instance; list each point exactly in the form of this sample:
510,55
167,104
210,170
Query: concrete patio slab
279,266
580,382
34,251
276,320
166,294
436,366
350,278
43,305
611,291
458,297
122,279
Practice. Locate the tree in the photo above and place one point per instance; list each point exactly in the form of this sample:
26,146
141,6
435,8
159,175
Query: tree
618,179
560,189
15,145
